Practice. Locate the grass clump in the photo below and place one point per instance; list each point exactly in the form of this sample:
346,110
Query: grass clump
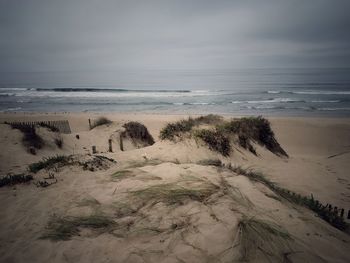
257,235
138,133
210,162
323,211
99,122
59,142
64,228
174,194
257,129
123,174
12,179
172,130
31,140
216,140
49,163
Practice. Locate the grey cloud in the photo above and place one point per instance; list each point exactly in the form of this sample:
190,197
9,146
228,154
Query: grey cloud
109,35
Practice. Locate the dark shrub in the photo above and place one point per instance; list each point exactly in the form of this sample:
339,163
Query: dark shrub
30,138
15,179
171,130
216,141
59,142
138,132
257,129
48,163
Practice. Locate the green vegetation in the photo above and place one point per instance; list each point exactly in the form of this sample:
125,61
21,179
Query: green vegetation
99,122
322,211
64,228
174,194
12,179
138,132
172,130
257,235
244,131
257,129
49,163
215,140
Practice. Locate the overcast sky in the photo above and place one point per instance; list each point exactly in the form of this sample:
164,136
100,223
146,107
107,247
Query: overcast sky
96,35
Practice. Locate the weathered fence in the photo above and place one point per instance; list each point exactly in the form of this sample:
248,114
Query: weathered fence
62,125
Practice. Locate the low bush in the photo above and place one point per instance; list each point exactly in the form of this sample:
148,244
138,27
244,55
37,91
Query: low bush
216,140
138,132
12,179
49,162
171,130
257,129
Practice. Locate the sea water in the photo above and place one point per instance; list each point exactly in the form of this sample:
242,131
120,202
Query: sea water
267,92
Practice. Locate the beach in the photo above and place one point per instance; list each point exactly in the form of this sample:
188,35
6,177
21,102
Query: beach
175,200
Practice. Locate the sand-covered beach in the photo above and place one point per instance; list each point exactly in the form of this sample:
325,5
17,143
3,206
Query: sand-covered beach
177,200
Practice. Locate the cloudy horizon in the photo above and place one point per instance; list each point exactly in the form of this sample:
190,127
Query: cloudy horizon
109,36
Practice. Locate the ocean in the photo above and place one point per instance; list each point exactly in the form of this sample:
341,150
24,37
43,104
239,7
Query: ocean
267,92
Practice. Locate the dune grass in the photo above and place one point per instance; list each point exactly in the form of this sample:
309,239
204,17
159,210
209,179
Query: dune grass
64,228
49,162
173,193
138,133
321,210
243,131
257,129
59,142
122,174
215,140
173,130
258,235
31,140
210,162
13,179
99,122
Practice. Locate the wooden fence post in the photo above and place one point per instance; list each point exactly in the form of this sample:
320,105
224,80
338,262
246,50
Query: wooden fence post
110,145
342,212
89,124
94,149
349,214
121,142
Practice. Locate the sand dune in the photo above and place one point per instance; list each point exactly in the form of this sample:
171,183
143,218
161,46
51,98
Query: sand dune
164,203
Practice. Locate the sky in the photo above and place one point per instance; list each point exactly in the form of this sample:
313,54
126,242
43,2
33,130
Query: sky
109,36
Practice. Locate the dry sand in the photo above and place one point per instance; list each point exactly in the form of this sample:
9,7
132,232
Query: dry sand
228,219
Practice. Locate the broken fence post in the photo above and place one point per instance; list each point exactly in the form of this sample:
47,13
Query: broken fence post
89,124
342,212
94,149
349,214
